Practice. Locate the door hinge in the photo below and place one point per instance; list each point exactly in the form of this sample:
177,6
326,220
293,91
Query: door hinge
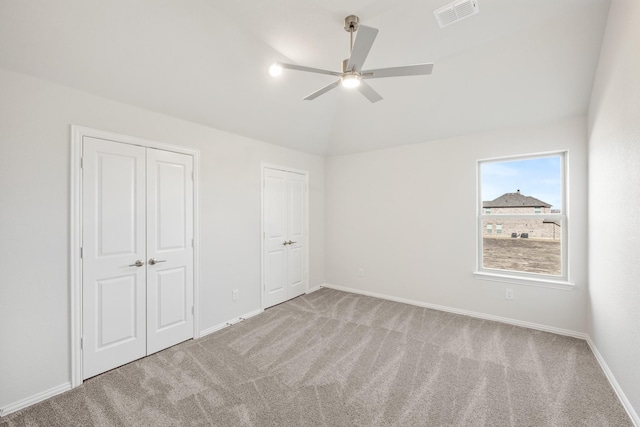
192,176
193,245
81,162
81,253
81,343
193,310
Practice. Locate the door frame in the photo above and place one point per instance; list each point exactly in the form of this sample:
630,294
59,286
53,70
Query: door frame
75,233
305,173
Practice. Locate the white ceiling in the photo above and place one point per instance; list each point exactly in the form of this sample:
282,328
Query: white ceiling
518,62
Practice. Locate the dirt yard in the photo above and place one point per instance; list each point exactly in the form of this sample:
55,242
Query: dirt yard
532,256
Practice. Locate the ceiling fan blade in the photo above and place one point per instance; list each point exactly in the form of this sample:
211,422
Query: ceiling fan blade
369,92
361,47
407,70
322,91
309,69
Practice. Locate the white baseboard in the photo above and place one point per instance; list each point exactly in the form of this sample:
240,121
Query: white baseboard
39,397
233,321
315,288
614,383
478,315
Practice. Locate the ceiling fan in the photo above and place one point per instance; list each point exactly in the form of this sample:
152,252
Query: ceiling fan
352,74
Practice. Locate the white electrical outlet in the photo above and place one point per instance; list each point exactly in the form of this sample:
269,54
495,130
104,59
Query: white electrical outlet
509,294
361,272
234,295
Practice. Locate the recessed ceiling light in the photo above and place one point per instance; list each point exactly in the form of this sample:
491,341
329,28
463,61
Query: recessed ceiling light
275,70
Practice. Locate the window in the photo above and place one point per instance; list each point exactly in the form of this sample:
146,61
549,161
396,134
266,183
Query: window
523,200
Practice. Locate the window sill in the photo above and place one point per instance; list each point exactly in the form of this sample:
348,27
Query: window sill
528,281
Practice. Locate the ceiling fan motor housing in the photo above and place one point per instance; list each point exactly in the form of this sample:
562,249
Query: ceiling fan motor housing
351,23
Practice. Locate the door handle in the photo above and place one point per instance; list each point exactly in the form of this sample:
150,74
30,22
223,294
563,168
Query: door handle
139,263
289,243
154,261
285,243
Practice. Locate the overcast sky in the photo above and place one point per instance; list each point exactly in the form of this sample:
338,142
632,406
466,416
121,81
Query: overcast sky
539,178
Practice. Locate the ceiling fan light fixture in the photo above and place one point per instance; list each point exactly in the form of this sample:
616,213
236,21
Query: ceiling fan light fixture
275,70
350,80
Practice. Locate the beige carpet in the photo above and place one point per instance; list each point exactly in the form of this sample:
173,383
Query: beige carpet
339,359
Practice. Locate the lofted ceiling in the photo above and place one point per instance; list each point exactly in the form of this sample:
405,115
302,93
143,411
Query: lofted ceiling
516,63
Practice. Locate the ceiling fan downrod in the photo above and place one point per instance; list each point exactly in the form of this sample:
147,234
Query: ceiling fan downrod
351,26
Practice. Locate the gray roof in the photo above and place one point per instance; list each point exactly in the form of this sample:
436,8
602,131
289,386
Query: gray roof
515,200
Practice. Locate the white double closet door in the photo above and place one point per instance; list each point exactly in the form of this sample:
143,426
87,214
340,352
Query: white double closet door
137,252
285,221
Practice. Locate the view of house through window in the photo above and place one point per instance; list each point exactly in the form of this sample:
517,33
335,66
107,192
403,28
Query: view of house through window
522,219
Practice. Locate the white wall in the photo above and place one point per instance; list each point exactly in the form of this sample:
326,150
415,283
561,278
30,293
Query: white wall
614,200
34,220
407,217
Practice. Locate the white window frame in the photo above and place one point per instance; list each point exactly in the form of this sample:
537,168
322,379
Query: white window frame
520,277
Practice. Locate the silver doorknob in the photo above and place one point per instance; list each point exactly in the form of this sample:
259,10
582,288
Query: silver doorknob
139,263
291,243
154,261
285,243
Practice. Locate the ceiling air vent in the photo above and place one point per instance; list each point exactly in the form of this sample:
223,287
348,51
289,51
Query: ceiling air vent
453,12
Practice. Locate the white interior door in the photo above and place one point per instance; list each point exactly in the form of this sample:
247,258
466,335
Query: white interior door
169,249
137,292
114,276
296,234
275,237
285,236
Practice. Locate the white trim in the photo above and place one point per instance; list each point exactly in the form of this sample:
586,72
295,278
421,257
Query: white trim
283,168
521,280
32,400
523,156
515,322
614,383
230,322
263,166
196,244
262,235
75,227
531,279
75,265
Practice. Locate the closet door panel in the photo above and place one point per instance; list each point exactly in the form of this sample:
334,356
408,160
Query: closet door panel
113,246
169,249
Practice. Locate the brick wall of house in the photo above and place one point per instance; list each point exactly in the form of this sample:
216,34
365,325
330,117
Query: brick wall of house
516,210
504,227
